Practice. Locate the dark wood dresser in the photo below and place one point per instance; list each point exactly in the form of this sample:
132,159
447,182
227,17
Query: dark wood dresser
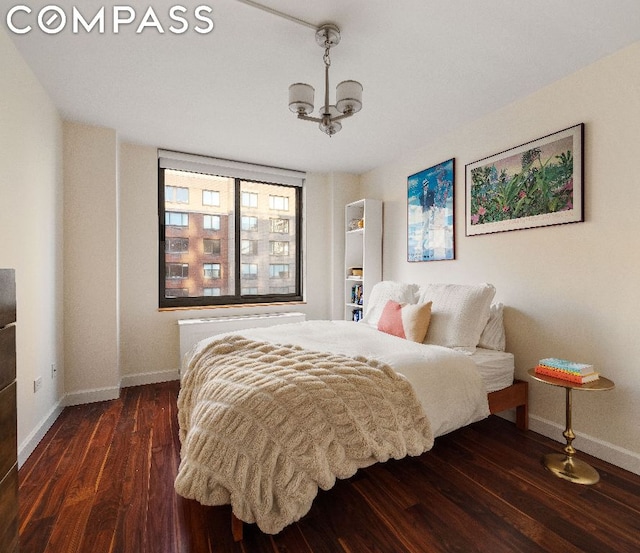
8,422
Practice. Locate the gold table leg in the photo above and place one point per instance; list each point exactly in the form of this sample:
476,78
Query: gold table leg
566,465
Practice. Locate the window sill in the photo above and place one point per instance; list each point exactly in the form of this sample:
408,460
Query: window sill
231,305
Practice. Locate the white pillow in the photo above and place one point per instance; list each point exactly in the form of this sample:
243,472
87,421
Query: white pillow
493,336
459,313
384,291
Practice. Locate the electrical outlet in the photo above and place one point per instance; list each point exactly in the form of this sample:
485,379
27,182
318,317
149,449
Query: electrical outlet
37,384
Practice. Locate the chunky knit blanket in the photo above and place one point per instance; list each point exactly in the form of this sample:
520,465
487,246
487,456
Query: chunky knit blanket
262,426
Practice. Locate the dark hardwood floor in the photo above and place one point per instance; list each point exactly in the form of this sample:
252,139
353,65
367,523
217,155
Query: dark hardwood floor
102,480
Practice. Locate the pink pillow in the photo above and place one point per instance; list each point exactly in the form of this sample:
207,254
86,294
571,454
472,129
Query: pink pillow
408,321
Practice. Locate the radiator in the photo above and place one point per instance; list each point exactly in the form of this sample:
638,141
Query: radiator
194,330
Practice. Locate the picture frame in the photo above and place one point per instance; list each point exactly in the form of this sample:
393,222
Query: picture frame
537,184
430,213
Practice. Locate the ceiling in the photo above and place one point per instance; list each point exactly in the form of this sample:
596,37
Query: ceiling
427,67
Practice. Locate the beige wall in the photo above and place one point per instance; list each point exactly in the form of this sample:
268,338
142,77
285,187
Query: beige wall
344,189
31,195
572,291
90,263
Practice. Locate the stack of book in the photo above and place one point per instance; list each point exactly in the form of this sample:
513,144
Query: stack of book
580,373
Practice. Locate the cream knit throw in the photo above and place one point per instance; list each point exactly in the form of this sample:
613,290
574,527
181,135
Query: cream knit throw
263,426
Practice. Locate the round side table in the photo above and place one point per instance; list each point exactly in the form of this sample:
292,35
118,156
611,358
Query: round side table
566,465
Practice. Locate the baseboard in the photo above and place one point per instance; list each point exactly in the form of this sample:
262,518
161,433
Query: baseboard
28,446
91,396
149,378
619,456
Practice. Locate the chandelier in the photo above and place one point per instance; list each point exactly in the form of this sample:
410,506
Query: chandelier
348,93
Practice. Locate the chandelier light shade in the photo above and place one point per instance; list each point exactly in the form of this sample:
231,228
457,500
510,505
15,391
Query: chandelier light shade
349,97
348,93
301,98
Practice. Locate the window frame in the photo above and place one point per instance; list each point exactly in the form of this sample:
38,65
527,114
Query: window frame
275,199
252,197
234,242
175,189
211,217
248,217
272,225
253,246
182,214
176,252
285,248
206,191
182,265
212,241
272,267
211,271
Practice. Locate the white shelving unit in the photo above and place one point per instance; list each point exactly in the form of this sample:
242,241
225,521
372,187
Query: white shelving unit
363,251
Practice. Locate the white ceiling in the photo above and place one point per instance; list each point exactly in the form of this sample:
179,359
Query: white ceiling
427,67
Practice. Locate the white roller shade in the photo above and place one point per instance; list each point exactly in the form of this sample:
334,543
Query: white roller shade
227,168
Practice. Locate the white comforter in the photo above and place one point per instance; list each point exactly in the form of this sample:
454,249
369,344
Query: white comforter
264,425
446,382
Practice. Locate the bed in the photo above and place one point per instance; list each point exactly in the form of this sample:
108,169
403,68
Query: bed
269,415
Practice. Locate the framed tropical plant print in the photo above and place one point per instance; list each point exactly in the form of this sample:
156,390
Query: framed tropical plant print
430,213
537,184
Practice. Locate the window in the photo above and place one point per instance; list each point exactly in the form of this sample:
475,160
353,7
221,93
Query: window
177,270
175,219
220,243
211,270
249,223
211,197
177,245
249,199
177,292
280,226
278,270
278,247
249,270
279,289
249,247
280,203
211,222
176,194
211,246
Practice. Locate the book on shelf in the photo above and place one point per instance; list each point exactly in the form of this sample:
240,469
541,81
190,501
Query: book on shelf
561,374
564,365
356,315
356,294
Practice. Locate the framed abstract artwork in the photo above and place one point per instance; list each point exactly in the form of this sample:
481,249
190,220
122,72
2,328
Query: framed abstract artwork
430,220
537,184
